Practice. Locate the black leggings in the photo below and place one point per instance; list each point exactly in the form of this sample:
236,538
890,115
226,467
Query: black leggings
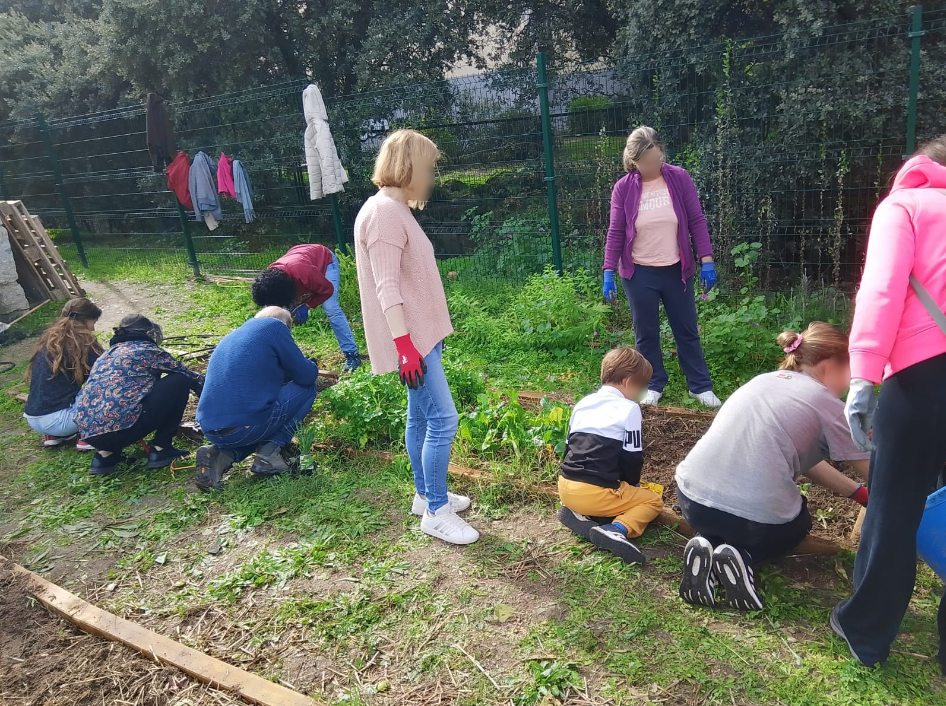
162,410
756,541
910,448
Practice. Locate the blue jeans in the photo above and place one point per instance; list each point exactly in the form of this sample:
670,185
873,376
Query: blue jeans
59,423
289,409
336,317
645,290
432,421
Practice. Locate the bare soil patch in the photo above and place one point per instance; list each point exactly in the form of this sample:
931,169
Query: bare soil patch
46,661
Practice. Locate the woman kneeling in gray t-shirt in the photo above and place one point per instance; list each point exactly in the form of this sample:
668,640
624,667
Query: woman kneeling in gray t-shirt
737,487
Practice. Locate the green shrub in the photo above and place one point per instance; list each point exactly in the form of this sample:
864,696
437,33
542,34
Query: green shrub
588,114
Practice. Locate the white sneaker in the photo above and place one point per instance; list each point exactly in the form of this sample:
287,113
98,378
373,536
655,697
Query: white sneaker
459,503
652,397
707,399
445,524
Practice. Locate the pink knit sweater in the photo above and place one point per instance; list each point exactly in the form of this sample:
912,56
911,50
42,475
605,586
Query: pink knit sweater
396,265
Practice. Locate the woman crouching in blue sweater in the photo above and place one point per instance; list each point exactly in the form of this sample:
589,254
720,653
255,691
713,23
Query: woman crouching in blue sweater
259,388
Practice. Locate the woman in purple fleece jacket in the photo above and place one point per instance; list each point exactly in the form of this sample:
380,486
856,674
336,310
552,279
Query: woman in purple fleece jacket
656,220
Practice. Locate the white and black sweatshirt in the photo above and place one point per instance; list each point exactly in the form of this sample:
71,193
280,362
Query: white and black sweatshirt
604,444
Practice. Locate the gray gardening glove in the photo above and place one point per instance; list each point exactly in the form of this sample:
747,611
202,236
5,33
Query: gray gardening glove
859,410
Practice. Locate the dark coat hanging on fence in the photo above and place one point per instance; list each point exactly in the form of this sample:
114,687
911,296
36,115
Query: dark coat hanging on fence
159,132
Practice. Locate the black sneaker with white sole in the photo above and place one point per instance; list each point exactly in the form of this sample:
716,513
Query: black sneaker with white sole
576,522
612,538
699,578
737,578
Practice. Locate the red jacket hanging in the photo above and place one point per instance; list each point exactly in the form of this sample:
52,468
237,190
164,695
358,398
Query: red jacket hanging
178,171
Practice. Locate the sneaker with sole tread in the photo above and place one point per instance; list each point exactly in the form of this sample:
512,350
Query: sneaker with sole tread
699,578
51,442
446,525
614,539
707,399
576,522
737,579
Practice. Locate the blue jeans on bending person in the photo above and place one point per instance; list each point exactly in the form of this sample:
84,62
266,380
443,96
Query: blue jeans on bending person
432,421
336,317
645,290
288,411
61,423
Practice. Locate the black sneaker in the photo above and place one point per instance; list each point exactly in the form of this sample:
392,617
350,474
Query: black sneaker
165,457
699,578
212,463
737,577
577,523
352,362
612,538
103,465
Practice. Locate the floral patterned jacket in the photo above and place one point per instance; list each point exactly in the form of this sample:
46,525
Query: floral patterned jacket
121,378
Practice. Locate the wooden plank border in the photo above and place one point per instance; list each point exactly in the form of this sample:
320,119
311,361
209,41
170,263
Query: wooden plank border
151,645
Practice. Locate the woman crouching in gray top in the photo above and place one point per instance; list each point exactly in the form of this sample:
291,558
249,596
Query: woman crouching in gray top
737,487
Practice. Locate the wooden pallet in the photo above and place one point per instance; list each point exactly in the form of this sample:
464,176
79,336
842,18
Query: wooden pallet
39,257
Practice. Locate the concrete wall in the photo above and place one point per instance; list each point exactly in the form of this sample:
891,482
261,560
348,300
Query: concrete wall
12,298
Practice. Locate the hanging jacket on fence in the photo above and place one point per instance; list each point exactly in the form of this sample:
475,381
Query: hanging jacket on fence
178,172
326,174
244,192
225,176
203,191
159,133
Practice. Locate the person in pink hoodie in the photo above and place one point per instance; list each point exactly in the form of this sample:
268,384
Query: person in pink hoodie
895,341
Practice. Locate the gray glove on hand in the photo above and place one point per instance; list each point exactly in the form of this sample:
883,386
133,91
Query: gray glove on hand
859,410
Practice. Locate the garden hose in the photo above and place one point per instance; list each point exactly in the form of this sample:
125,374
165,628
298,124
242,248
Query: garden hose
6,366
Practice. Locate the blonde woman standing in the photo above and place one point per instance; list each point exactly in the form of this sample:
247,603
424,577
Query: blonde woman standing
656,220
406,319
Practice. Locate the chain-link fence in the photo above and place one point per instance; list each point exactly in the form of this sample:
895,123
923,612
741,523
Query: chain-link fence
791,139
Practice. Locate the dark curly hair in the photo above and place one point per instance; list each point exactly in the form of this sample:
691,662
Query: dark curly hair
273,287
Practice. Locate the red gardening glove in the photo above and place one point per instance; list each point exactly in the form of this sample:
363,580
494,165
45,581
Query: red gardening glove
860,495
410,363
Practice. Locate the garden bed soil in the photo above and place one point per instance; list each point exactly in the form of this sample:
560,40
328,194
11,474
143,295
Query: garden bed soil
46,661
670,434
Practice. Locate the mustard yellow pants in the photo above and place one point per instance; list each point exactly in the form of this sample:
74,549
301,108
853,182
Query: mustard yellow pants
633,507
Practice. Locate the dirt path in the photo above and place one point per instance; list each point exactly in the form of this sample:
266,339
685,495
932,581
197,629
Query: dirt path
120,298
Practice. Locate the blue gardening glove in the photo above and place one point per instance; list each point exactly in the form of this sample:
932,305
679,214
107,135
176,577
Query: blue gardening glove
300,314
610,289
859,410
708,276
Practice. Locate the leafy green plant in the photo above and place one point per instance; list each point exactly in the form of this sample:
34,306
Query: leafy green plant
552,682
365,408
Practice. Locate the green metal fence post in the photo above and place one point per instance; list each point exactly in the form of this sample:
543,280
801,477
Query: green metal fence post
4,193
337,218
914,34
188,241
543,86
61,186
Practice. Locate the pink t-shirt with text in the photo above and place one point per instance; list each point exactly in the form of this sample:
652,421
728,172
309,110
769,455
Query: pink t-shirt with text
655,239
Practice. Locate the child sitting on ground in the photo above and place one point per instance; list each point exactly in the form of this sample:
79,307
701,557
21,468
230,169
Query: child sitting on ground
601,473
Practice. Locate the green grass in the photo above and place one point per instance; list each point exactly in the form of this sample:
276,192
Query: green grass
323,581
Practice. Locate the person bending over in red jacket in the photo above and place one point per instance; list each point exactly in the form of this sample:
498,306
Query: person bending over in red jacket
308,276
